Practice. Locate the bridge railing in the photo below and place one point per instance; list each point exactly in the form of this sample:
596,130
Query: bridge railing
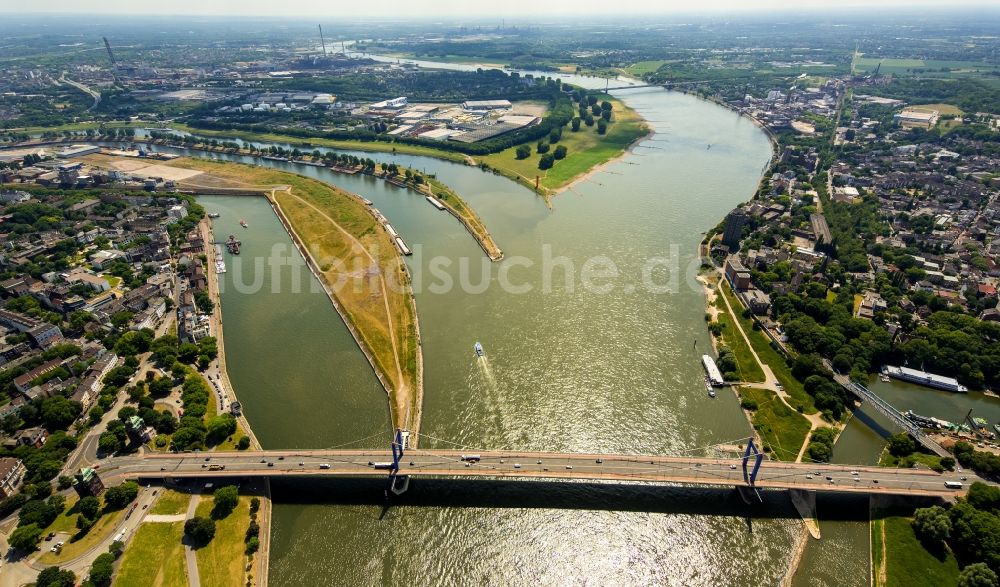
886,409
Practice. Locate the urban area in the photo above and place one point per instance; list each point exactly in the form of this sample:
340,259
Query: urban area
848,314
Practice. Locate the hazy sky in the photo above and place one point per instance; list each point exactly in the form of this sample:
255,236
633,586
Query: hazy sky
448,9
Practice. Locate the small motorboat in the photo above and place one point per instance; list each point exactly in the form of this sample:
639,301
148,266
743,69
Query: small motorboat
243,223
711,393
213,214
479,350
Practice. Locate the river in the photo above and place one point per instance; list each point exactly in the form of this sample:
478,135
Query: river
568,367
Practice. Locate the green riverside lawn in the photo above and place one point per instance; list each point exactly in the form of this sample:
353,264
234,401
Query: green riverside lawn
154,556
774,359
748,368
907,562
221,561
585,150
782,429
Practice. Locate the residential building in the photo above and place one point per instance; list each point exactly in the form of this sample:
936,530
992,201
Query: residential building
11,475
736,274
734,228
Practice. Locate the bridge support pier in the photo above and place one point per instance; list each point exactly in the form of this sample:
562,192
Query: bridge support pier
804,501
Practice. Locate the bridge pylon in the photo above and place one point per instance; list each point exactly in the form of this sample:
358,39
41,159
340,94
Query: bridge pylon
398,484
750,475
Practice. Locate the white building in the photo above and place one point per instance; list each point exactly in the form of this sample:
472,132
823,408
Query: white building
176,213
391,104
486,104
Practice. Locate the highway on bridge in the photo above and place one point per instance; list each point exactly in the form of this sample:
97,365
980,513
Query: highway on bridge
568,466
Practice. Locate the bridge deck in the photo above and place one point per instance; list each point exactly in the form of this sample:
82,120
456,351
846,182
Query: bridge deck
660,469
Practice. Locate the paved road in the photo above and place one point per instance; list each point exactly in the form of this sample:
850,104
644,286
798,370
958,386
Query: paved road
190,557
92,93
679,470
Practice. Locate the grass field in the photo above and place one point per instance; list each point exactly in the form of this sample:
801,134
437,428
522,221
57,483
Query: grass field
931,68
154,556
585,150
943,109
66,522
781,428
774,359
170,502
643,67
928,460
101,529
907,562
749,370
221,561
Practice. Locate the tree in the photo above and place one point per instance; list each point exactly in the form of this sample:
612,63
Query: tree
244,443
983,497
58,412
253,543
220,427
254,505
25,537
102,569
542,147
55,577
560,152
109,443
38,512
522,152
602,126
932,524
160,387
187,353
88,506
546,161
575,124
116,498
200,529
901,445
204,302
188,438
225,500
978,575
64,482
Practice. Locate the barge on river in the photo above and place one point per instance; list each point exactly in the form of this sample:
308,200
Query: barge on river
714,376
924,378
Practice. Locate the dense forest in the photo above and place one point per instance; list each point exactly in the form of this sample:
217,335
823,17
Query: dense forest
429,86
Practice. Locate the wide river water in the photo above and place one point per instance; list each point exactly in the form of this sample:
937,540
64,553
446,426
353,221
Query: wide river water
578,362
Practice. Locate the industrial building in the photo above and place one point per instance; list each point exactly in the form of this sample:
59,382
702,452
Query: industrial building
917,118
486,104
78,151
